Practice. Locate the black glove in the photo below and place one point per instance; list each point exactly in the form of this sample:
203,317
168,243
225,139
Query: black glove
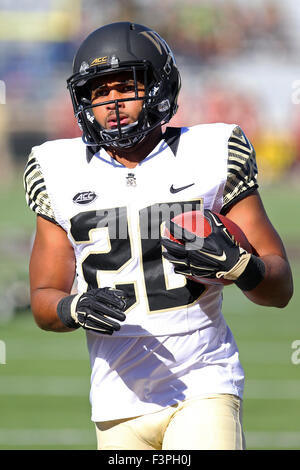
216,256
94,310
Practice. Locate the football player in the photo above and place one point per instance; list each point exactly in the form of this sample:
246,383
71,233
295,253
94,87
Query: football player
165,366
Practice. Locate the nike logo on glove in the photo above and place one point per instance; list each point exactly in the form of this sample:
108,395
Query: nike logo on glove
223,256
218,224
176,190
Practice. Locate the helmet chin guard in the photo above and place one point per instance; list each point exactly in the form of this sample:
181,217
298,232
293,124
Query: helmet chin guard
113,134
140,52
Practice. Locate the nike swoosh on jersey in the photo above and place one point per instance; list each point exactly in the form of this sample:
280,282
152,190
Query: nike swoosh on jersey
176,190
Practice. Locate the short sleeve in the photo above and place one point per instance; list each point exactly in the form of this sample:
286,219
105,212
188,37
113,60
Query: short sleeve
241,169
36,194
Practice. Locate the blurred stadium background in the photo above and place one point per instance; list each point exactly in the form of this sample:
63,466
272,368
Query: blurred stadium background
240,63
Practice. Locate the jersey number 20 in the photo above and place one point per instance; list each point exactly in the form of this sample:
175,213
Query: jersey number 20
115,220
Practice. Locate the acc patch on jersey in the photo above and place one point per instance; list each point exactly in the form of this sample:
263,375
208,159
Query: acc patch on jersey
84,197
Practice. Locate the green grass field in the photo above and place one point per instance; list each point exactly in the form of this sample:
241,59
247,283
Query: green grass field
44,384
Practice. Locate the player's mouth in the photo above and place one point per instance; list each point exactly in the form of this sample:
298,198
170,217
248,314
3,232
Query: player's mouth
112,121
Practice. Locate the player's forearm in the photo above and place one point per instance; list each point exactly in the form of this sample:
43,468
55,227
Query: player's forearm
276,289
44,304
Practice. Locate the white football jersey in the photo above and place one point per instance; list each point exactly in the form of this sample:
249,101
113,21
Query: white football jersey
114,217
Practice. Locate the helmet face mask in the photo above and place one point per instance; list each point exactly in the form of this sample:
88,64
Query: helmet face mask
132,49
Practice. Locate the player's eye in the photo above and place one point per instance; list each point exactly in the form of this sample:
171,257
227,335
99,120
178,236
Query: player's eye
100,92
123,88
127,88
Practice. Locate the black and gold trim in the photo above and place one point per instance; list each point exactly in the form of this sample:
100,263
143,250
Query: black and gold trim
241,169
36,193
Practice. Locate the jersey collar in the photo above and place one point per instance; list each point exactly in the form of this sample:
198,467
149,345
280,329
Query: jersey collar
90,152
171,137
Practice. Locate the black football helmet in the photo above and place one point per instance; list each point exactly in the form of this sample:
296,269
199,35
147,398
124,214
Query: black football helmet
133,48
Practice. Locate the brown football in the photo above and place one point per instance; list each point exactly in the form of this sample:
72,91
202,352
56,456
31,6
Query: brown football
196,223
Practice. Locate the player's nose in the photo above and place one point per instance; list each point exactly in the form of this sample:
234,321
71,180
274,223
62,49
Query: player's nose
113,96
